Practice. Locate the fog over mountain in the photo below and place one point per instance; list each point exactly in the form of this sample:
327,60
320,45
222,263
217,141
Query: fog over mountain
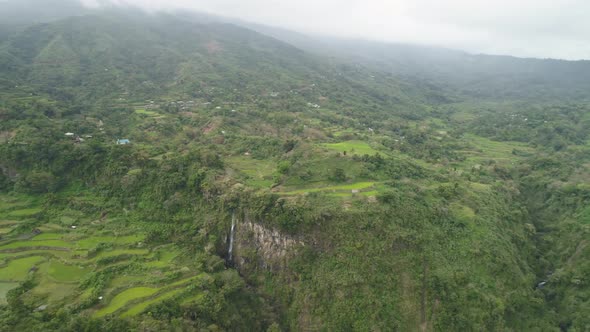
527,28
294,166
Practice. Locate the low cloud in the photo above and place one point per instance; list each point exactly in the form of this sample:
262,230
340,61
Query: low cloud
530,28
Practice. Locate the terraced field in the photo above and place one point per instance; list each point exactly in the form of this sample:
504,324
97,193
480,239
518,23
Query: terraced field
101,267
125,296
62,272
352,147
143,111
338,190
257,173
17,269
4,288
139,308
484,149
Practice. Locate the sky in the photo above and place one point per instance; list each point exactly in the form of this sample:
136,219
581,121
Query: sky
526,28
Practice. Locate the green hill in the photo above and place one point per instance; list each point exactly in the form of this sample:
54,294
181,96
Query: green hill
264,187
473,76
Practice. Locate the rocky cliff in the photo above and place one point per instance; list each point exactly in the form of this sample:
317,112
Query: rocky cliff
260,247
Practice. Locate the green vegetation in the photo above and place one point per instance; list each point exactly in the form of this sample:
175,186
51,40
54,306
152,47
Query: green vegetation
92,242
24,213
258,173
352,147
145,112
355,198
66,273
122,298
18,269
335,189
120,252
139,308
502,152
40,243
4,288
48,236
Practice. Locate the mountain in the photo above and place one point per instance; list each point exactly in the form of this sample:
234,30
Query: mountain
16,15
36,11
121,49
179,172
476,76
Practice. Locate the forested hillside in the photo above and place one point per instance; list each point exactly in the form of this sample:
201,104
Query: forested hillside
161,172
473,76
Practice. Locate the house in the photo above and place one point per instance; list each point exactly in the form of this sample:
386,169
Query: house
123,141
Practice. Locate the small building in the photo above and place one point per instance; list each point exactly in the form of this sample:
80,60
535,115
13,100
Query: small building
123,141
41,307
70,134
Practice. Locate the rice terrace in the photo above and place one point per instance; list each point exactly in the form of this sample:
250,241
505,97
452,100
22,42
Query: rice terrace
167,169
88,264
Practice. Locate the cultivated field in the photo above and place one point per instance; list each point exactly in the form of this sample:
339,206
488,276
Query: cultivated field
94,265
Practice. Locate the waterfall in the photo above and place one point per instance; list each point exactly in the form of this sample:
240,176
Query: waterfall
231,236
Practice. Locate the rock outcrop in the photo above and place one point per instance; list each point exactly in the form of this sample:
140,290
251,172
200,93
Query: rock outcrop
259,247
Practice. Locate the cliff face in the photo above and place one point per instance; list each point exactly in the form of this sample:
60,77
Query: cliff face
258,247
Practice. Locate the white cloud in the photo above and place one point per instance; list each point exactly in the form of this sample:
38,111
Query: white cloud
539,28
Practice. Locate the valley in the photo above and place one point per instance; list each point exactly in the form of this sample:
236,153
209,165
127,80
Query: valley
161,172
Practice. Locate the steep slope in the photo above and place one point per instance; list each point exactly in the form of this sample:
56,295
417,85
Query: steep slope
16,15
474,76
109,56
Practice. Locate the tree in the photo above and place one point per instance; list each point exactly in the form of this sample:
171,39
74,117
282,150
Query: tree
36,182
338,175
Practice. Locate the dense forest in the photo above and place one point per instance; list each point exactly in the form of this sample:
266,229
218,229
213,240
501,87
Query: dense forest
180,172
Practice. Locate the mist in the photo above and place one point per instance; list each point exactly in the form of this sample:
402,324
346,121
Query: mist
525,28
